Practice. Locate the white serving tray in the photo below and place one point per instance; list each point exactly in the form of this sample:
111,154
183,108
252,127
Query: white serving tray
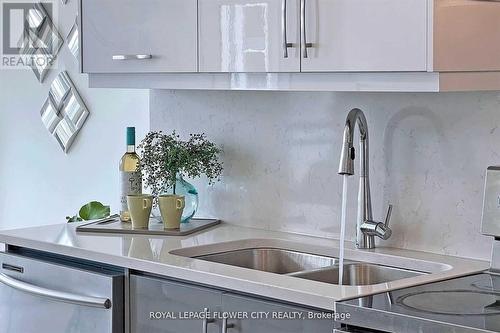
155,227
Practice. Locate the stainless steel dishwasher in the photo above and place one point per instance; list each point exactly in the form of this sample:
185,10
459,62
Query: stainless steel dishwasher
55,295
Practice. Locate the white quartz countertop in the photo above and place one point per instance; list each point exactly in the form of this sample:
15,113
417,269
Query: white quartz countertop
153,255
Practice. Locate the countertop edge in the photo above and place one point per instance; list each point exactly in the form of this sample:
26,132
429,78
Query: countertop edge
63,239
286,295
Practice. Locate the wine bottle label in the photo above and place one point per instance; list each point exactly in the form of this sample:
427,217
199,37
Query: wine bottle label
131,183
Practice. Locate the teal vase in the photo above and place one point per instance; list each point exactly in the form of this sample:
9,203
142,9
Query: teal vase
190,194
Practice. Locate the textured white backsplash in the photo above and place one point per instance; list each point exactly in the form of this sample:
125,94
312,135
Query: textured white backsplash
428,157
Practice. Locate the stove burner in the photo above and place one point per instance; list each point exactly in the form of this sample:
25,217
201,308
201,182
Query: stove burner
453,302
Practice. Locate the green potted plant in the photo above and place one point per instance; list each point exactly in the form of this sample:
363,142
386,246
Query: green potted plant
166,160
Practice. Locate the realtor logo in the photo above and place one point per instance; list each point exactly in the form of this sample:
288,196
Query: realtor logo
17,19
29,37
13,26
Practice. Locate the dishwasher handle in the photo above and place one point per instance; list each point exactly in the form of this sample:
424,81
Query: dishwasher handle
61,296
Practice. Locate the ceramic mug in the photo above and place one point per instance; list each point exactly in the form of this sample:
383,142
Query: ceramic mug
171,208
139,206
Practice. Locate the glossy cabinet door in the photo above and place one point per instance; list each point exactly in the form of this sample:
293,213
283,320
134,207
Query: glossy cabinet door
139,36
249,36
152,295
266,317
364,35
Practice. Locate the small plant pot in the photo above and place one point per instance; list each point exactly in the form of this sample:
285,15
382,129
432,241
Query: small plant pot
171,208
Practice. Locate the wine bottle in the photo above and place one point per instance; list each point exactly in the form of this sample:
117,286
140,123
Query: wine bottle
130,174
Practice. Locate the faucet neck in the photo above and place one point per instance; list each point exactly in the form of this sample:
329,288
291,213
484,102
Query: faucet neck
364,241
348,155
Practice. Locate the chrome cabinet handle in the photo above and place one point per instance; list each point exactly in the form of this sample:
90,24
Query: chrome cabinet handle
206,321
284,25
304,44
132,56
226,326
55,295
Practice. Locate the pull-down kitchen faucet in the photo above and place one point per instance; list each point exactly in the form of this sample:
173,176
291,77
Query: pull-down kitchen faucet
366,229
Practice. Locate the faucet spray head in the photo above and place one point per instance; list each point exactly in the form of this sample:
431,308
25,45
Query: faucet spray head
347,157
348,154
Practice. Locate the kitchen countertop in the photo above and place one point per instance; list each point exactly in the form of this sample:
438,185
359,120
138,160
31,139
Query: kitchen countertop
153,255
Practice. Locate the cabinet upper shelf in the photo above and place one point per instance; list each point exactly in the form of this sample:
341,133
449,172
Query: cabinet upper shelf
369,45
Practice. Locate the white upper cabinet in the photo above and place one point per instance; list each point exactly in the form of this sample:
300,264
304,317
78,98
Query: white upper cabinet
292,45
139,36
322,35
364,35
249,36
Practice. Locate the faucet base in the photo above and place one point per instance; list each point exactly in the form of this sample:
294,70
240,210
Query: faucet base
367,242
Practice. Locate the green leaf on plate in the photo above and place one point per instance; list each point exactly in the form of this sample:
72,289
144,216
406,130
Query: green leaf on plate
94,210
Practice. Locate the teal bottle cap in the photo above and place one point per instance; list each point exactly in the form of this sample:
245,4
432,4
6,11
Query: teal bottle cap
130,136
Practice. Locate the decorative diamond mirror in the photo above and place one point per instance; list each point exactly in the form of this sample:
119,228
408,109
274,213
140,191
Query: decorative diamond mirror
64,112
41,42
73,40
50,116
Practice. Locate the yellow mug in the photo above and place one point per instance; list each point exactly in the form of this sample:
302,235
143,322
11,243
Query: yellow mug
171,208
139,206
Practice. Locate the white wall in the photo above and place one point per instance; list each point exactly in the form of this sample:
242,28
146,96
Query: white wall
429,153
39,184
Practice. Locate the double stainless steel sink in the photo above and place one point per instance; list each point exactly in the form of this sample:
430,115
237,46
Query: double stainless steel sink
358,274
310,266
271,260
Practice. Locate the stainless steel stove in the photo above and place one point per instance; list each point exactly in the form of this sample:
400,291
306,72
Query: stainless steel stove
467,304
